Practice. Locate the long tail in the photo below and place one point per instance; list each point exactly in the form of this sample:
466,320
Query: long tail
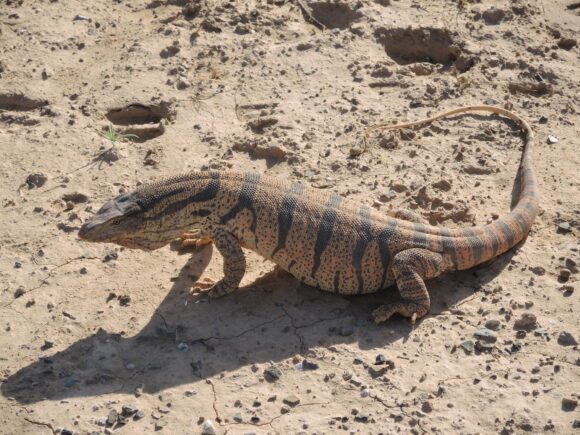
484,242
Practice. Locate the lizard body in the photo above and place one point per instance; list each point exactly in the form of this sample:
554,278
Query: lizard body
321,238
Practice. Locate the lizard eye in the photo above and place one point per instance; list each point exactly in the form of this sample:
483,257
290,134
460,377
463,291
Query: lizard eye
117,222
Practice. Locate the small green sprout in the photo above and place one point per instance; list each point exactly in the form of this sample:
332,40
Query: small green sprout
114,136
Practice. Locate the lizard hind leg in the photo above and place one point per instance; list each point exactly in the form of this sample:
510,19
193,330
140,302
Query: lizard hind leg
410,268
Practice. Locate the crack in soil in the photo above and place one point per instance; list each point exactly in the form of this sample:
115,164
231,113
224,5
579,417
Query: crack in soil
43,281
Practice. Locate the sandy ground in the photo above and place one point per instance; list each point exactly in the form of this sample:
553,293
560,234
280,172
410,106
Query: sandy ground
285,88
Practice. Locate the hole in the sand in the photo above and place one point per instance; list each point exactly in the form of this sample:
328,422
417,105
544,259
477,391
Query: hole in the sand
141,120
406,46
19,102
334,15
145,132
138,114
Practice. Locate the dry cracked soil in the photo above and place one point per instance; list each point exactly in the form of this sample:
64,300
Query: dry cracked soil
101,339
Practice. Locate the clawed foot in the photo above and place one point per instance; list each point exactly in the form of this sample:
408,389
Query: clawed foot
406,309
214,290
194,238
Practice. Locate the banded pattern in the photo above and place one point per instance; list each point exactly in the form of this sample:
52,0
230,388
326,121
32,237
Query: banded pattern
321,238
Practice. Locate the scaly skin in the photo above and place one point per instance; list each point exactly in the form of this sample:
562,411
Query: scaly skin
323,239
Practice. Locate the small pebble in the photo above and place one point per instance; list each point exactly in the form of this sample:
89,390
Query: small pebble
569,404
272,374
564,227
526,321
565,274
486,335
139,390
291,400
566,339
36,180
552,139
345,331
112,417
355,151
492,324
468,346
207,428
130,366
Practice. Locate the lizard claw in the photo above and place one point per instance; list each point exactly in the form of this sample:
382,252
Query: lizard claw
194,238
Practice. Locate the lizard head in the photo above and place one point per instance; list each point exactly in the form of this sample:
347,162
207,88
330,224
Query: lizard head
122,221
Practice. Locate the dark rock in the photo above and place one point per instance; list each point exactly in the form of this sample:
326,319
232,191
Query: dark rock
492,324
380,359
36,180
307,365
128,410
272,374
111,255
75,197
564,274
526,321
569,404
567,43
345,331
361,418
291,400
493,15
566,339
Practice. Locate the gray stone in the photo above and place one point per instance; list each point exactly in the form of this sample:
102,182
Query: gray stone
486,335
345,331
468,346
272,374
207,428
112,417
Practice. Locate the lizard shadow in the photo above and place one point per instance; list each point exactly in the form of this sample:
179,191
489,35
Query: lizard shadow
189,339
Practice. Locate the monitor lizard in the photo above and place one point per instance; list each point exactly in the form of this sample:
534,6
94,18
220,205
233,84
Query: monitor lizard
323,239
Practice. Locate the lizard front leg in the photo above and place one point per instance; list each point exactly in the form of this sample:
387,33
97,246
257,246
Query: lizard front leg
410,267
234,260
